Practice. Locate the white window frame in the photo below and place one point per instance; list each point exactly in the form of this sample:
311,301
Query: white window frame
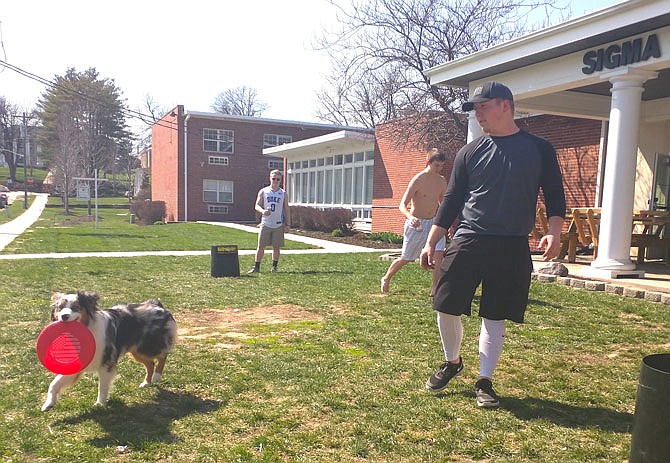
346,181
218,160
223,140
271,139
220,188
216,209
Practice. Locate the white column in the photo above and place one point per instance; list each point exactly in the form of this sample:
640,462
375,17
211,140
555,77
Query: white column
619,180
474,130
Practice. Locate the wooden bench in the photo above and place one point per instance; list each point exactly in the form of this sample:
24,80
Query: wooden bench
586,224
568,238
648,230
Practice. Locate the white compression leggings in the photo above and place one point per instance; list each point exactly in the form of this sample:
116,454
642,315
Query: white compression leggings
491,340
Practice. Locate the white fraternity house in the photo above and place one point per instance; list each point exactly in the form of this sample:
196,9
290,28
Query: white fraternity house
612,65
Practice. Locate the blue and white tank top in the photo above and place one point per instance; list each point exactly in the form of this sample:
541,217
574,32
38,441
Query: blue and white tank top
273,201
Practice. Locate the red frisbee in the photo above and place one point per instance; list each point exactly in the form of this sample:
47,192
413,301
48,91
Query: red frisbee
65,348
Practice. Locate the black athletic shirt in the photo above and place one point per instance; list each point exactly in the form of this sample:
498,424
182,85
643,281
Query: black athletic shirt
495,183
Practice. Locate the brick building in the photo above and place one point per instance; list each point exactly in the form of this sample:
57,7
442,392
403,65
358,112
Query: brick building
209,167
577,144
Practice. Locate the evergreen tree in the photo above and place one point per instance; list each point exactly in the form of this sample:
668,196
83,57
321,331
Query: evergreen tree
83,120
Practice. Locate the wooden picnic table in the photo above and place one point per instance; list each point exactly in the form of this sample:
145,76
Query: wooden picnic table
648,229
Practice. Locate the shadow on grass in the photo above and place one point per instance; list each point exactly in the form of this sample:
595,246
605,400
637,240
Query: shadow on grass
569,416
136,426
301,272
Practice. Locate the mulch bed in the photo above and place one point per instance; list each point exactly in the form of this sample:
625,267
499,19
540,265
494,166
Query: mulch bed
357,239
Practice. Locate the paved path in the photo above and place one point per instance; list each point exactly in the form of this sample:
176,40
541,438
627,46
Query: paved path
12,229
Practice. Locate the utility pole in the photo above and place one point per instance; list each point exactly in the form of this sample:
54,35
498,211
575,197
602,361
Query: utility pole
25,160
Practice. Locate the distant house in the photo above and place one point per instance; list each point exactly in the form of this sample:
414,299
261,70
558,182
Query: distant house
24,147
209,167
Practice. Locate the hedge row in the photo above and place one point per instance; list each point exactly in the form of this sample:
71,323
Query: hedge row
327,220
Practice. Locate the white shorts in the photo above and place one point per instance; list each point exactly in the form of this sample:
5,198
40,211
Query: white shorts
414,239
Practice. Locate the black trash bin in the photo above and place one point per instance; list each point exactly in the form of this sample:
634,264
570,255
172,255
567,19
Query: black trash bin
225,261
651,425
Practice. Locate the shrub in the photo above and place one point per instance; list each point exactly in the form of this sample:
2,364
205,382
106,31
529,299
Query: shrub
147,211
386,237
337,233
311,218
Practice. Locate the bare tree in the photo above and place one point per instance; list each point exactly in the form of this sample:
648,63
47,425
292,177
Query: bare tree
382,49
239,101
8,121
151,111
66,158
128,163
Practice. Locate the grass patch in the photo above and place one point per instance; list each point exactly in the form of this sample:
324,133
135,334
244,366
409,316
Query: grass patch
312,364
78,232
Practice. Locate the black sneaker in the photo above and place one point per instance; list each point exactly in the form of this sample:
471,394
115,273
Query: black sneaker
439,380
273,270
486,396
254,270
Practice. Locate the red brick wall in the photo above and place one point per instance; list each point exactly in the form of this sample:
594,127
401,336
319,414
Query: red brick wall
576,142
167,163
394,167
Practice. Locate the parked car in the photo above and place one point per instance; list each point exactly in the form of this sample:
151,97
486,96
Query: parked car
4,196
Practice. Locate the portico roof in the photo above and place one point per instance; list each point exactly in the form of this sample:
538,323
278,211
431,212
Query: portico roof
549,61
335,143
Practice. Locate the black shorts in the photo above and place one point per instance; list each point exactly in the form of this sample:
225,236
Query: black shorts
503,266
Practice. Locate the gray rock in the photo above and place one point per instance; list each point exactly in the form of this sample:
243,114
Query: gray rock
554,268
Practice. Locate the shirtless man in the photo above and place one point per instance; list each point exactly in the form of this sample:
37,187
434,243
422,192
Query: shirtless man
419,205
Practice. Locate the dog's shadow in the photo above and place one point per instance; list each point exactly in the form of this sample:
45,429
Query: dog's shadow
137,425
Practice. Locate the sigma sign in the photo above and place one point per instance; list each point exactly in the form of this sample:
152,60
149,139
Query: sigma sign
629,52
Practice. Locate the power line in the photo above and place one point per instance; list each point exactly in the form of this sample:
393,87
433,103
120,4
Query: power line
126,111
51,84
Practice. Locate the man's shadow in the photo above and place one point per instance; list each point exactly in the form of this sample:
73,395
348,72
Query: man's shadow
138,425
569,416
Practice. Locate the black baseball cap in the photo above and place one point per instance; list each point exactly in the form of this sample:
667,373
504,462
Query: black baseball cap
487,91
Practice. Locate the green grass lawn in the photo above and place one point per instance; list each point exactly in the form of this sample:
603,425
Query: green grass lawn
313,365
78,232
310,364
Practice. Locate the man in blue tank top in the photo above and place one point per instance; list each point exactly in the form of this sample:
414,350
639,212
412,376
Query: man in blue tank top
272,203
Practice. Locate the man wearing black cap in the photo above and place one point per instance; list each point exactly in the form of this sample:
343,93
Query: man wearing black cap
493,192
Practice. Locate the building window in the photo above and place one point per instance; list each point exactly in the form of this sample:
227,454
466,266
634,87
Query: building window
217,209
276,164
217,191
339,180
218,160
218,141
270,140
